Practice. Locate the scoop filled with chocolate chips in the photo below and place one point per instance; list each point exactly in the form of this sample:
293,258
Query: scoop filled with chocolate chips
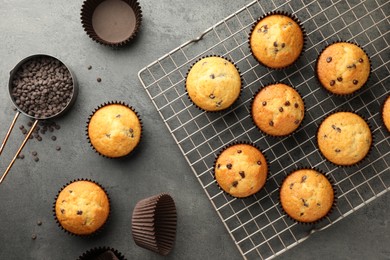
41,87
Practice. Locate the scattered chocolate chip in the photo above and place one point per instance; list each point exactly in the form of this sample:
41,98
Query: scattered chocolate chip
339,79
337,150
58,127
79,212
229,166
21,127
304,203
329,59
14,109
218,104
58,148
212,76
355,82
296,105
53,138
30,124
235,183
51,129
34,153
219,166
31,137
39,223
24,131
334,127
301,214
291,186
99,80
296,122
361,60
264,103
287,103
39,138
338,129
332,82
89,67
271,123
36,159
283,45
211,96
33,237
21,156
258,162
280,109
275,44
304,177
239,151
70,191
242,173
62,211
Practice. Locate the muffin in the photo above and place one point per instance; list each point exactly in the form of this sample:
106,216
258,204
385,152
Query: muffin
102,253
276,40
277,109
241,170
386,113
82,207
114,130
306,195
344,138
343,68
213,83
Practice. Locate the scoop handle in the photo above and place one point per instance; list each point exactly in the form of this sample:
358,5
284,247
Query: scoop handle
19,150
9,131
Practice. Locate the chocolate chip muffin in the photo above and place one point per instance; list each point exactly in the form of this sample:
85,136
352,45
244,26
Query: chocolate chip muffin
82,207
213,83
277,109
386,113
306,195
241,170
276,40
344,138
114,130
343,68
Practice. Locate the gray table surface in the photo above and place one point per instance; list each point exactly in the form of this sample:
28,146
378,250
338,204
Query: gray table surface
27,195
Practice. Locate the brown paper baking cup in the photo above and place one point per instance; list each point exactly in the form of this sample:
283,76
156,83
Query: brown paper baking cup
113,103
369,150
238,97
99,230
96,254
330,210
278,136
354,92
295,19
113,23
154,223
387,99
233,144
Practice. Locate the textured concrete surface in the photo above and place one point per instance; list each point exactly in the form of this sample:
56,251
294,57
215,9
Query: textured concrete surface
27,195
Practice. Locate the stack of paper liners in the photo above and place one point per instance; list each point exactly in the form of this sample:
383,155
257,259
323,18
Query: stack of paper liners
154,223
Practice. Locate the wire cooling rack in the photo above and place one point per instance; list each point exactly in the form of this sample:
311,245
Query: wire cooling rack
257,224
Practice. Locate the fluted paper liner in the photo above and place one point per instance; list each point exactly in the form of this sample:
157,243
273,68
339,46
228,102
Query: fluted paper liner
93,253
154,223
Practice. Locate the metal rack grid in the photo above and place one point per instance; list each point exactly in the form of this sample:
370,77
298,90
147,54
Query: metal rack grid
256,224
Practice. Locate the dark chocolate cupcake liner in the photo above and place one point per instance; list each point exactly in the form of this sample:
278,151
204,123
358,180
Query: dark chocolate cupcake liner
356,91
154,222
331,181
230,145
98,231
113,103
239,72
86,14
371,145
295,19
93,253
279,136
382,113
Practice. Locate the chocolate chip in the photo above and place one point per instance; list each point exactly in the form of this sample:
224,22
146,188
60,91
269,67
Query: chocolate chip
62,211
70,191
58,148
21,127
271,123
118,116
296,122
30,124
58,127
264,103
235,183
287,103
211,96
339,79
242,173
275,44
296,105
355,82
351,66
338,129
53,138
301,214
361,60
263,28
51,129
229,166
218,104
212,76
332,82
89,67
24,131
108,135
39,138
34,153
329,59
219,166
33,237
239,151
304,203
318,204
39,223
280,109
325,136
337,150
36,159
79,212
99,80
304,177
283,45
21,156
291,186
258,162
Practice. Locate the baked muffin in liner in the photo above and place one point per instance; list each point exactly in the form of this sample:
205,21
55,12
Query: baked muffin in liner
113,23
212,95
339,129
386,113
102,253
154,223
114,103
277,46
240,176
300,192
349,67
282,107
98,230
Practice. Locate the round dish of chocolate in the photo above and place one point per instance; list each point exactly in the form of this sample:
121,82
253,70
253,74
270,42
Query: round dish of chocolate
343,68
241,170
42,87
344,138
111,22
